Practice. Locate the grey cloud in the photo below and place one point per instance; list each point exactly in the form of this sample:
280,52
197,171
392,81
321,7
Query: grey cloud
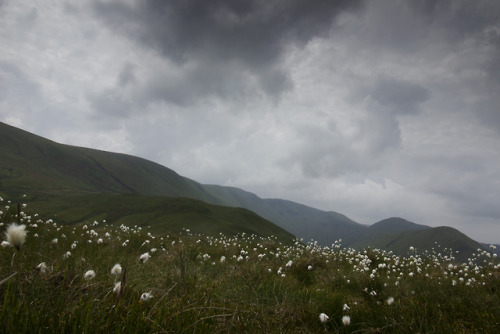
20,88
110,102
252,35
466,181
327,151
399,96
464,18
127,75
28,20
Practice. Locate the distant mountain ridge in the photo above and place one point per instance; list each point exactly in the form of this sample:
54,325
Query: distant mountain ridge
30,163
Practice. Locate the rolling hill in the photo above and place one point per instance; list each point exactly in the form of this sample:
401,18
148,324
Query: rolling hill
159,213
31,163
443,239
62,178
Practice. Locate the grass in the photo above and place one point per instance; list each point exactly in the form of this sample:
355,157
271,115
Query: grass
158,212
252,290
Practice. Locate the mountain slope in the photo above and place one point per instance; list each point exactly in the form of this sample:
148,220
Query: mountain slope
160,213
301,220
389,226
32,162
440,239
35,165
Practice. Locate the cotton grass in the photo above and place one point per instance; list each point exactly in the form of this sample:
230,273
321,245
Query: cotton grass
146,296
116,270
16,235
144,257
89,275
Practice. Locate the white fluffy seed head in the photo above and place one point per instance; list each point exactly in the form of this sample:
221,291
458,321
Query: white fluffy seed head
144,257
146,296
16,235
116,270
89,274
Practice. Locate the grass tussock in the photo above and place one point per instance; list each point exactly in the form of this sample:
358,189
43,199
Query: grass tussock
195,283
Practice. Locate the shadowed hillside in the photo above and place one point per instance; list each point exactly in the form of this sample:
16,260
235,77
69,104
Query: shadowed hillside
62,177
35,164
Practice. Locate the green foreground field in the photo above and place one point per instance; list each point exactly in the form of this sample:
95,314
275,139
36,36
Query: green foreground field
244,283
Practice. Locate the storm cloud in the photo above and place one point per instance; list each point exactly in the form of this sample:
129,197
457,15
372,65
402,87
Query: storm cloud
222,45
368,108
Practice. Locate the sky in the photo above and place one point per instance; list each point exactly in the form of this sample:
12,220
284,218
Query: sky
372,109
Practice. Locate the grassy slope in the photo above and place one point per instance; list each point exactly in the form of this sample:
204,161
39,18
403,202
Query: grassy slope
194,292
34,165
301,220
61,169
384,229
31,162
427,240
78,184
160,213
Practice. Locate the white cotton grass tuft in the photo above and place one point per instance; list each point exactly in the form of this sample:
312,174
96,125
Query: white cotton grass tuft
346,320
323,317
144,257
117,287
42,267
16,235
146,296
116,270
89,274
390,300
5,244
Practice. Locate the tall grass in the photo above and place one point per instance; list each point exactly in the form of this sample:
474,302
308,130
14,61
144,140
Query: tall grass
252,290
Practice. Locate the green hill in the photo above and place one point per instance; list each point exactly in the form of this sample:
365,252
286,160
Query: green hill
160,213
75,184
441,239
383,228
301,220
63,177
31,163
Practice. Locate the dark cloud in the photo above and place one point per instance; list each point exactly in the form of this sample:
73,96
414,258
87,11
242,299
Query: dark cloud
462,19
250,36
385,107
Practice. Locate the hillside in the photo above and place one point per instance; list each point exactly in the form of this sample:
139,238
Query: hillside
31,163
384,228
88,278
63,176
438,239
301,220
159,213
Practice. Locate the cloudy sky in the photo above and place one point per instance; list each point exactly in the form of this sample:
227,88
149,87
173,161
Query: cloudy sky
368,108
